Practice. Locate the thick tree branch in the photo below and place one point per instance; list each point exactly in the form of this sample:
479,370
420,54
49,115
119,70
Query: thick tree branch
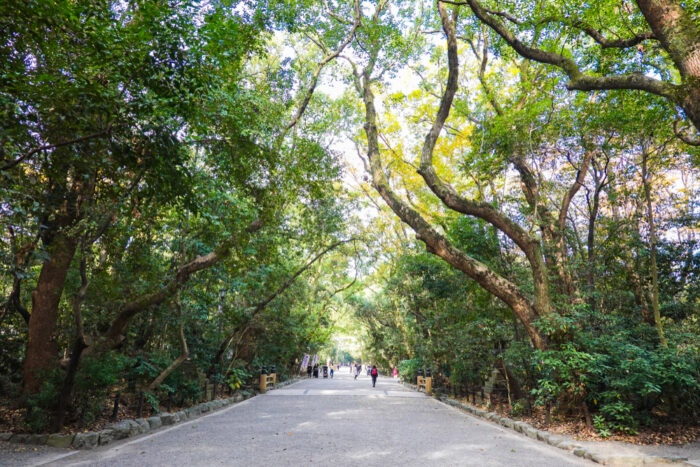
436,243
683,135
578,80
113,336
448,195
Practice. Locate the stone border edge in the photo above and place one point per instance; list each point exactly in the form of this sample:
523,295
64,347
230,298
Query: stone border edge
131,427
555,440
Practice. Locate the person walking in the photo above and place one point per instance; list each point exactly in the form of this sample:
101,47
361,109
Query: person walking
396,373
374,373
331,372
308,371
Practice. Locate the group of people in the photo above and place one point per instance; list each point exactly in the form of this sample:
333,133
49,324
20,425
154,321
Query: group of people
371,371
355,369
313,370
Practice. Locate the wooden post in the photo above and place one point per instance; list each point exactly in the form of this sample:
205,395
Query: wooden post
139,410
263,382
429,385
115,410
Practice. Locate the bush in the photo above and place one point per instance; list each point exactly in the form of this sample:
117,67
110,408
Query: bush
41,405
95,379
237,378
408,369
621,375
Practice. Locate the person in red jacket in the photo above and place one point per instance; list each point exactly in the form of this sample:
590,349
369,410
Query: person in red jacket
374,373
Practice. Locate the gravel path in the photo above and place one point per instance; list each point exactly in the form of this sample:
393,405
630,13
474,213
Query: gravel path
343,422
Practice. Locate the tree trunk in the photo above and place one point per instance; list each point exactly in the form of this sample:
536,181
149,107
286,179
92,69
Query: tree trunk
652,245
42,350
590,245
66,394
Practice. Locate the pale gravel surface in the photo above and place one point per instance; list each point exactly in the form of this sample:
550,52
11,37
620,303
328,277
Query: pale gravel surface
338,422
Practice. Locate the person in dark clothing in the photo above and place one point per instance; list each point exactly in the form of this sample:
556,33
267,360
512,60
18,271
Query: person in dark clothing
374,373
316,371
308,371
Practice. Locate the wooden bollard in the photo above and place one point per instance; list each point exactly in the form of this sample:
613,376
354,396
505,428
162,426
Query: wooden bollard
425,384
115,410
267,380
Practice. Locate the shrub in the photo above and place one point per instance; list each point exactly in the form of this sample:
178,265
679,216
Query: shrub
408,369
41,405
93,383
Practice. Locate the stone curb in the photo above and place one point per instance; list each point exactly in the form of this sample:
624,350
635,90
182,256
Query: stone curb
560,441
132,427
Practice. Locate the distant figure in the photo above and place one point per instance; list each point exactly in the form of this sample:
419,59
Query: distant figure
316,371
368,370
358,368
396,373
308,371
331,372
350,368
374,373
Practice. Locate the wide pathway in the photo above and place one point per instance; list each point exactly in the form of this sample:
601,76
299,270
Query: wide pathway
331,422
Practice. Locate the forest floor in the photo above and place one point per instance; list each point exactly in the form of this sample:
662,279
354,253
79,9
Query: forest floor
662,433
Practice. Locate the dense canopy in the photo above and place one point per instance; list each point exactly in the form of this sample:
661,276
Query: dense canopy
192,190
